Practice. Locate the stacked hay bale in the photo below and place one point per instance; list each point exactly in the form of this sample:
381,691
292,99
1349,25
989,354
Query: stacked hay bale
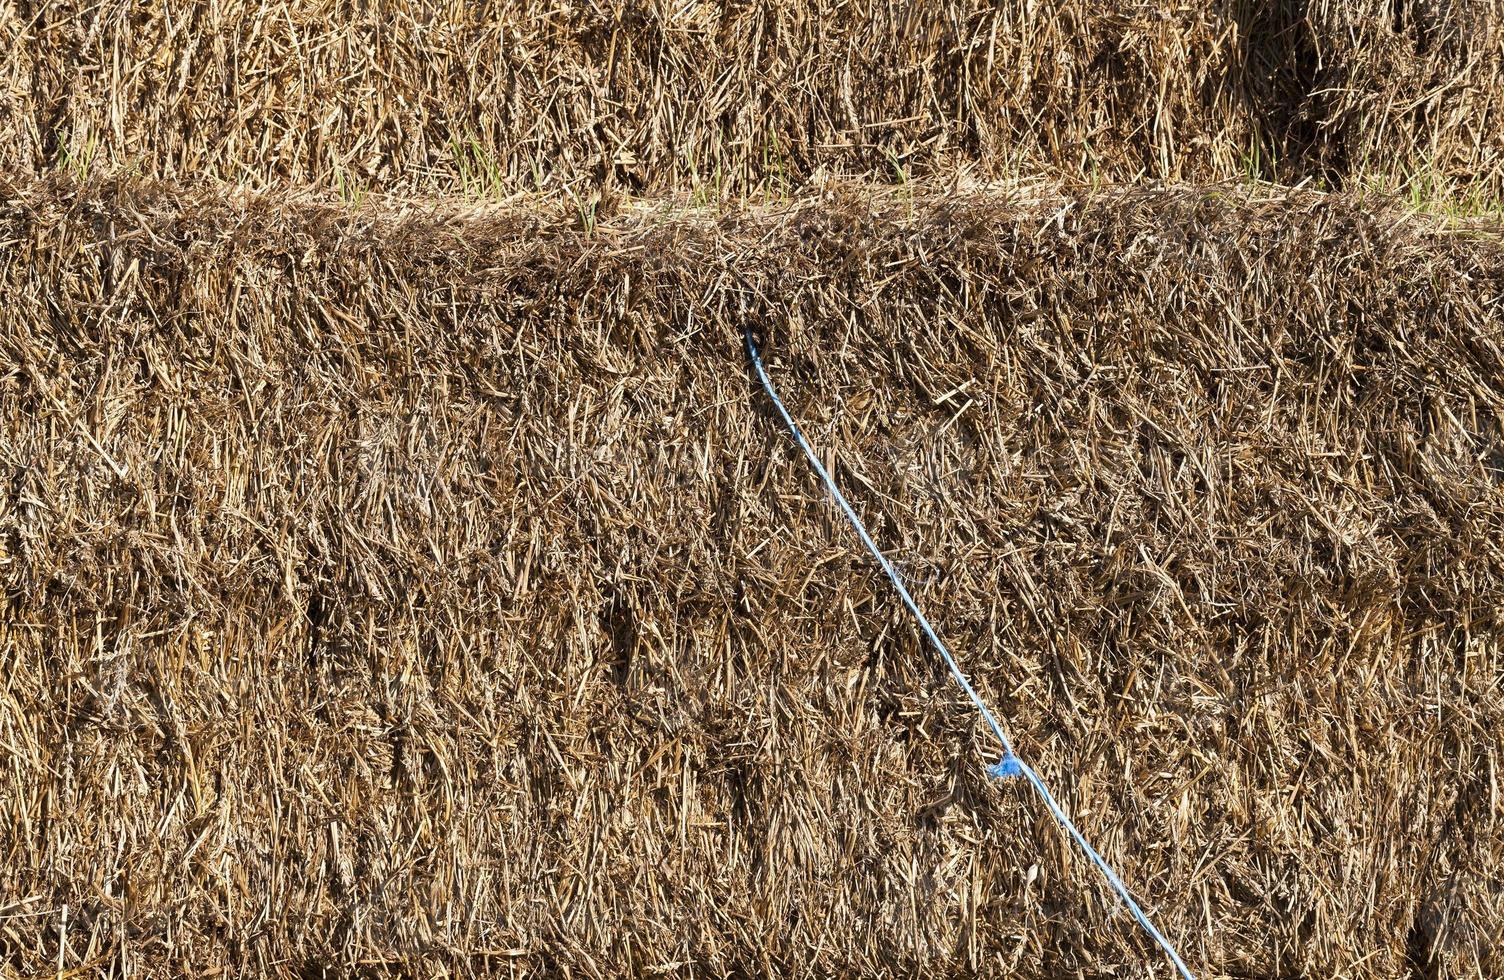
420,589
1387,93
642,96
639,95
402,574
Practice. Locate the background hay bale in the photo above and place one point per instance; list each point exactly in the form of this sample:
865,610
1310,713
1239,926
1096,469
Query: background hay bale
755,98
425,589
635,96
1395,93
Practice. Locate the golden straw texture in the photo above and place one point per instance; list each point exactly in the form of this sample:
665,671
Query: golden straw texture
639,96
428,590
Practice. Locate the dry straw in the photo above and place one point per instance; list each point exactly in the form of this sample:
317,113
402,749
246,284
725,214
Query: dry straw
752,98
1009,766
412,590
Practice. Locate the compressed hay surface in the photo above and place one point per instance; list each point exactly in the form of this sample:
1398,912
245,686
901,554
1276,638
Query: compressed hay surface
737,98
434,590
637,95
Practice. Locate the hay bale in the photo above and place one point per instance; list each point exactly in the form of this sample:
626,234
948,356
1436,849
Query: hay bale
415,590
637,97
633,96
1399,93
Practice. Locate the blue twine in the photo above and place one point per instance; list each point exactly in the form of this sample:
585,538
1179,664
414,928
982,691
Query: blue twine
1009,766
1006,768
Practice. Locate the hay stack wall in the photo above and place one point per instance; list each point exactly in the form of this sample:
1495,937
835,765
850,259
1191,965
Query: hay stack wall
732,99
422,590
